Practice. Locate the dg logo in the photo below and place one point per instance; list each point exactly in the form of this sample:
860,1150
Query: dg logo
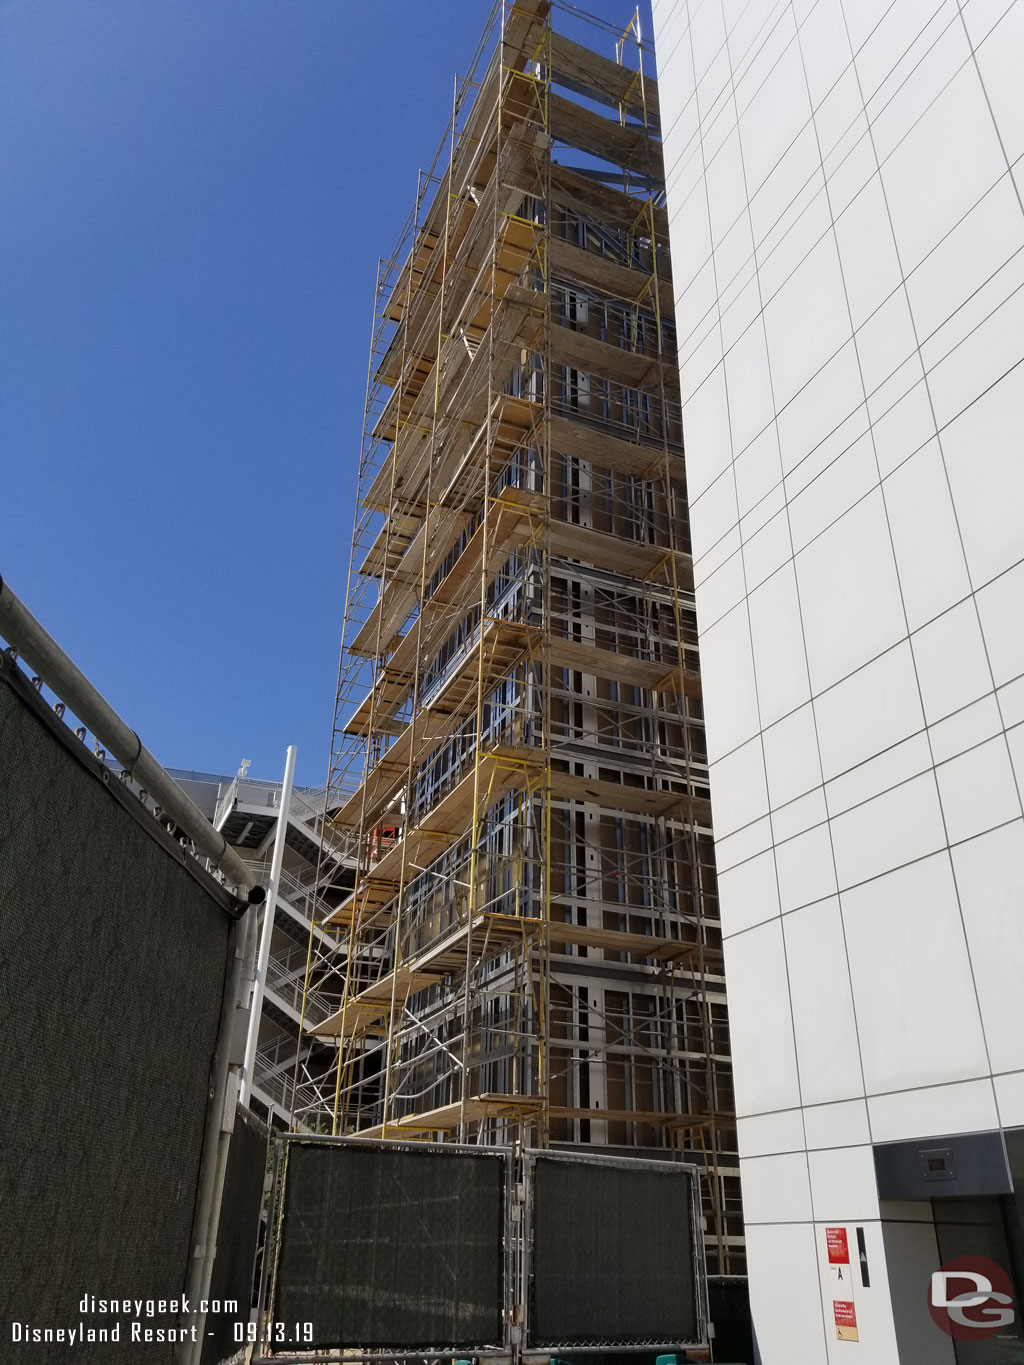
971,1298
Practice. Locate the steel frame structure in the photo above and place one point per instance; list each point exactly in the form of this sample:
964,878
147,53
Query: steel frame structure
533,953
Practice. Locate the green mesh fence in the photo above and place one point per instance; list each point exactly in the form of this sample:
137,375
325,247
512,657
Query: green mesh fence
112,970
613,1260
386,1247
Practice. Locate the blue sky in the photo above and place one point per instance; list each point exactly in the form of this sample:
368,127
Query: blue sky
196,193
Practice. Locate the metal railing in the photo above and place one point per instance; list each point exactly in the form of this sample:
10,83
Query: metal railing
307,807
273,1078
302,898
287,984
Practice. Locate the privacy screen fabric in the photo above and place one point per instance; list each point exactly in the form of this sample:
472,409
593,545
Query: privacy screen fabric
112,969
392,1248
237,1236
612,1255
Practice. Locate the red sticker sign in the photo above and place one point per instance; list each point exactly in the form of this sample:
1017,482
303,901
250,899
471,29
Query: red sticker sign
846,1320
838,1248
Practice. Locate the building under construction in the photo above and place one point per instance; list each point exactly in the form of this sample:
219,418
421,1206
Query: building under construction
532,947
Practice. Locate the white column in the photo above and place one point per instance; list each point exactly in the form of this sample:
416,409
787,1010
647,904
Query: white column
263,957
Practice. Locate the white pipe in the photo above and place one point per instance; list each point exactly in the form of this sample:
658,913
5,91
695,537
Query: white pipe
262,961
220,1124
23,631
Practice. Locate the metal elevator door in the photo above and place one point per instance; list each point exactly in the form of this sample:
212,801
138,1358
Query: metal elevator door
990,1227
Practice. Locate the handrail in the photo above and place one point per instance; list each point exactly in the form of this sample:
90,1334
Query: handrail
300,897
307,805
288,984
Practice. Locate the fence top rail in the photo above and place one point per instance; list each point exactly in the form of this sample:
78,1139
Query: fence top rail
28,638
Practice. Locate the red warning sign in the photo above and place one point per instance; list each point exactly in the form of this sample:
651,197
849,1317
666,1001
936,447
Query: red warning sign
846,1320
838,1247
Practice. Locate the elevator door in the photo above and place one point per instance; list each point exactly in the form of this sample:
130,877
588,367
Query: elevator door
988,1227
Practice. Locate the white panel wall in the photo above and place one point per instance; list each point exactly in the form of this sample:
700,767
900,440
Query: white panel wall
845,183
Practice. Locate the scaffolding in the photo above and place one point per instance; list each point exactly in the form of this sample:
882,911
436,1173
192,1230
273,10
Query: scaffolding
532,952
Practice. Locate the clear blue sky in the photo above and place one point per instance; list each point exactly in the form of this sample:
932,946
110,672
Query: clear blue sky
195,196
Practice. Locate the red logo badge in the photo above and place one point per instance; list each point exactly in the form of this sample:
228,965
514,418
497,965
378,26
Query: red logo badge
971,1298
